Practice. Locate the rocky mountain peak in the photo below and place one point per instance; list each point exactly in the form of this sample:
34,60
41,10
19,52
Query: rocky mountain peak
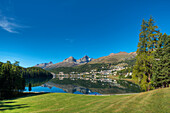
43,65
85,59
50,62
122,52
133,53
70,59
111,54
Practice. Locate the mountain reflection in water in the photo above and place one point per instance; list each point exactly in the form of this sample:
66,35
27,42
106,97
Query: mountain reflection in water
84,87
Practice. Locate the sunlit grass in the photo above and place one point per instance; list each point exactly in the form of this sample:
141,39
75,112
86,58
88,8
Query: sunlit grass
157,101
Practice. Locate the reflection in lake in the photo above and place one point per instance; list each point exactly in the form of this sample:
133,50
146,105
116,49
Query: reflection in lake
79,86
37,81
87,86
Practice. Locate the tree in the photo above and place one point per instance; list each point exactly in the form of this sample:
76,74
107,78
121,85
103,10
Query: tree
30,87
142,71
139,67
11,81
161,64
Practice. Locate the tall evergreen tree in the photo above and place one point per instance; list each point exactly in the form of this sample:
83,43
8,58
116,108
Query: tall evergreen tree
142,71
138,70
161,65
166,61
152,35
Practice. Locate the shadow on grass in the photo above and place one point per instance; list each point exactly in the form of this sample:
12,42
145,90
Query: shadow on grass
10,104
29,94
4,106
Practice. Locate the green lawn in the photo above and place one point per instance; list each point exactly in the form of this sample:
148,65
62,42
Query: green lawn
157,101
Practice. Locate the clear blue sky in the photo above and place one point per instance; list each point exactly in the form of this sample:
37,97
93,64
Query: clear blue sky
38,31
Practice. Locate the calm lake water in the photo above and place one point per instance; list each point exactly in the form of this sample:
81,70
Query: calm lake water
45,89
69,86
54,90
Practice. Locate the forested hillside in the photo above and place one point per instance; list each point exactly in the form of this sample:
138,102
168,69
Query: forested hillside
12,78
35,72
30,72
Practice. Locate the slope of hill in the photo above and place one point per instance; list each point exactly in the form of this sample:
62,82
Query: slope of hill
156,101
79,69
43,65
68,62
88,67
71,61
113,58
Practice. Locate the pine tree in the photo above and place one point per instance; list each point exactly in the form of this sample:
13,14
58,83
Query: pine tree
161,65
139,68
166,61
152,35
142,71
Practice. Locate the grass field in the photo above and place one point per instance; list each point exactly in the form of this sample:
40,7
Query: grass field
156,101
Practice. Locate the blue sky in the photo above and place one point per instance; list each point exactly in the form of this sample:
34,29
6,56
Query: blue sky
38,31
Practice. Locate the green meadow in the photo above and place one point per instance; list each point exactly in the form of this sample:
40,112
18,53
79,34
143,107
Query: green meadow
156,101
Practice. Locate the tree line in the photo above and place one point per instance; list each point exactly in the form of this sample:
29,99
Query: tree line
35,72
12,78
152,67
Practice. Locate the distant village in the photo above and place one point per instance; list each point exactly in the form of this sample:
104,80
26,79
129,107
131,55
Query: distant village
93,75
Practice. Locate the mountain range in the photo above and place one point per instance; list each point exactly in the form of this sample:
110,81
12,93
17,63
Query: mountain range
71,61
68,62
114,57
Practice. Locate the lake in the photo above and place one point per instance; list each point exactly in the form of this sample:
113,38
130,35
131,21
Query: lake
54,90
45,89
78,86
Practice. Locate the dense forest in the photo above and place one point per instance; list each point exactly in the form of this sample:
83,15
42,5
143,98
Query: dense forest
152,67
13,78
35,72
30,72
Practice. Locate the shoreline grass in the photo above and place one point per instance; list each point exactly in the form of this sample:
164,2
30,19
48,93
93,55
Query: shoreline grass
156,101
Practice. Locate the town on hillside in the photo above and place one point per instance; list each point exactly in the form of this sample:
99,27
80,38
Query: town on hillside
94,75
